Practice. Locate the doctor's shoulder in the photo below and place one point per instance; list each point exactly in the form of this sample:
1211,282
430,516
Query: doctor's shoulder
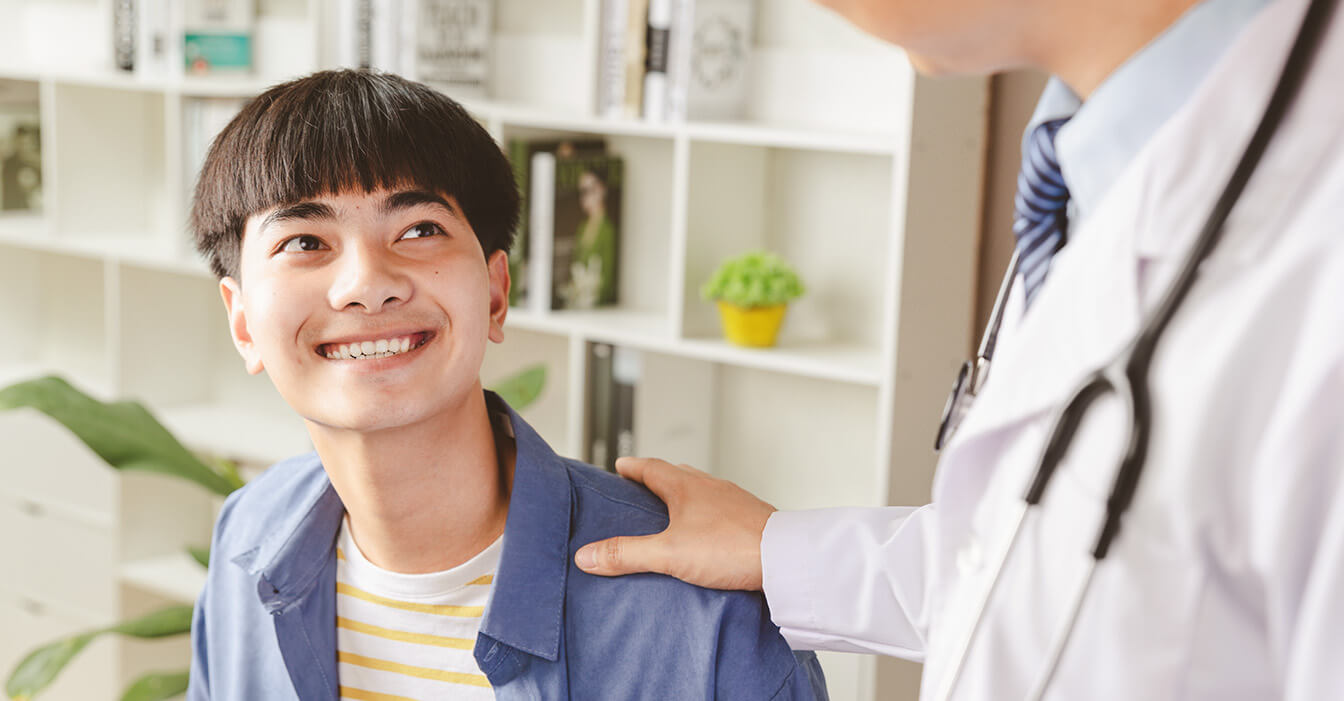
709,643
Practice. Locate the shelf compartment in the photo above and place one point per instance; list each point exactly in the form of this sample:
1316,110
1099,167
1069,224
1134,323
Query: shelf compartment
796,454
550,415
644,239
59,326
745,197
110,171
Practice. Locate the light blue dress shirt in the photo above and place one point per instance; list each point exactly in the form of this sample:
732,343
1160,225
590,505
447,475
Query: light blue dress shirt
265,624
1112,126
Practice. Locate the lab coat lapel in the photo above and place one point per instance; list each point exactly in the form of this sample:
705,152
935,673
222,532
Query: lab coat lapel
1083,315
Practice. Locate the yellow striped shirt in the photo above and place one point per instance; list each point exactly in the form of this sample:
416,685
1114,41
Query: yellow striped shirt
410,636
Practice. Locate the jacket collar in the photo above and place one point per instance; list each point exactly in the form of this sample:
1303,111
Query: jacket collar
530,584
528,601
294,552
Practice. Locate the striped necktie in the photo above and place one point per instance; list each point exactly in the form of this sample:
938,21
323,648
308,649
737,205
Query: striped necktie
1040,222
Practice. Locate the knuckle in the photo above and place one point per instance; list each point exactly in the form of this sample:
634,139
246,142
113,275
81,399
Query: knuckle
611,552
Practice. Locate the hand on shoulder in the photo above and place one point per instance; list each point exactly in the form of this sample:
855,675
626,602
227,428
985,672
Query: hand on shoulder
713,538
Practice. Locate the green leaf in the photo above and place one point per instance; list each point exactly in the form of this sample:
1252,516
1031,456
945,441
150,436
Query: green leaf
522,389
201,555
124,434
755,279
42,665
36,671
157,686
164,622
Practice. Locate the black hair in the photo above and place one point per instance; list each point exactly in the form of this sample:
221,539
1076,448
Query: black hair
338,131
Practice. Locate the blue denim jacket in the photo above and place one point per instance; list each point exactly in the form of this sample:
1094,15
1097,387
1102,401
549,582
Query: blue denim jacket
265,623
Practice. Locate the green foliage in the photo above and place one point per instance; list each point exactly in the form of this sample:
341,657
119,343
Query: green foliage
523,388
755,279
157,686
36,671
201,555
124,434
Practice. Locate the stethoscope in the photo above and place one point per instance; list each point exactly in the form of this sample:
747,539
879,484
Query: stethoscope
1125,377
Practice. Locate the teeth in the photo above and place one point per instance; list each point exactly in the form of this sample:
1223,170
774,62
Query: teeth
382,348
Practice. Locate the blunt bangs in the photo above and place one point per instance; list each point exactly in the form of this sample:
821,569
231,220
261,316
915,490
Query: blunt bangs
343,131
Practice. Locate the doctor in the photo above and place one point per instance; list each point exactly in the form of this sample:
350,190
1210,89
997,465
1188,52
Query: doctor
1227,579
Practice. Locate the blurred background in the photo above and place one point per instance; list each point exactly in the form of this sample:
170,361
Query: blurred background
686,132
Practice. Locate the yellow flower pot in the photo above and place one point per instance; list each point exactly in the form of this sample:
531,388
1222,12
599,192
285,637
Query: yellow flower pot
755,327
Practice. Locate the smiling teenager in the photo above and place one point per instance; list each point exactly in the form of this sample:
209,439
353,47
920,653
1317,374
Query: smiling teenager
359,224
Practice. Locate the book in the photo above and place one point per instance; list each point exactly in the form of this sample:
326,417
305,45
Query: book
158,37
599,437
123,34
520,153
585,216
655,60
540,231
636,28
680,30
217,36
385,39
447,43
202,120
613,375
626,368
720,56
611,59
351,40
20,149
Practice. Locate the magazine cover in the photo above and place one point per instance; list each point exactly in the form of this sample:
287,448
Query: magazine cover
20,149
587,224
521,152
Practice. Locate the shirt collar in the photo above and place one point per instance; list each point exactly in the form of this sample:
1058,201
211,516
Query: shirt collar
1113,125
528,599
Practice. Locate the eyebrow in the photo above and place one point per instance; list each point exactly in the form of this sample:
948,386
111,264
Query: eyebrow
320,211
406,199
305,211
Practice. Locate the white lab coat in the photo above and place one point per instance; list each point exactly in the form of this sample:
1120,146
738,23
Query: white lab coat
1227,581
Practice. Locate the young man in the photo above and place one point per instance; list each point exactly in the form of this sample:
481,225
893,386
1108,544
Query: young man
359,224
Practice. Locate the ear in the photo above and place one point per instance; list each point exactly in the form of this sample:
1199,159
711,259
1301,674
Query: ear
232,294
498,267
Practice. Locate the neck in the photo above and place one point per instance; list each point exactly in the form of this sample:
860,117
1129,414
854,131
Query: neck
423,497
1087,41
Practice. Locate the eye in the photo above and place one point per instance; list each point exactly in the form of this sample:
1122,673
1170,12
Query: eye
301,243
424,229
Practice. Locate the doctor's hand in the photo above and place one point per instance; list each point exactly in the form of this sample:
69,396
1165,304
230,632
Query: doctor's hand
713,538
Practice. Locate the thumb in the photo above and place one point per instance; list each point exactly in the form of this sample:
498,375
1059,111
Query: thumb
621,555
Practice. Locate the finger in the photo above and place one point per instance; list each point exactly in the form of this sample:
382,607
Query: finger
622,555
636,468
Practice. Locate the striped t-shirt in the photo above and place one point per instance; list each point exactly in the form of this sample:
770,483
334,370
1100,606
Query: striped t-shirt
410,636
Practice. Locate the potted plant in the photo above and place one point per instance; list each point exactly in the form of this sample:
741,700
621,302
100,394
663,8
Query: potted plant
753,291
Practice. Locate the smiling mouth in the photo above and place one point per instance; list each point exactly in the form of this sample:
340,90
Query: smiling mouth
369,350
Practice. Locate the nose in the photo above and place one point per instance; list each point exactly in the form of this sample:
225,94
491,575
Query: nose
368,280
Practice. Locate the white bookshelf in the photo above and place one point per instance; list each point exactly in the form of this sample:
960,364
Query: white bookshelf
864,176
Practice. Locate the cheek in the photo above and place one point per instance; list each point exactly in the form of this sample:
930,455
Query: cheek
275,317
